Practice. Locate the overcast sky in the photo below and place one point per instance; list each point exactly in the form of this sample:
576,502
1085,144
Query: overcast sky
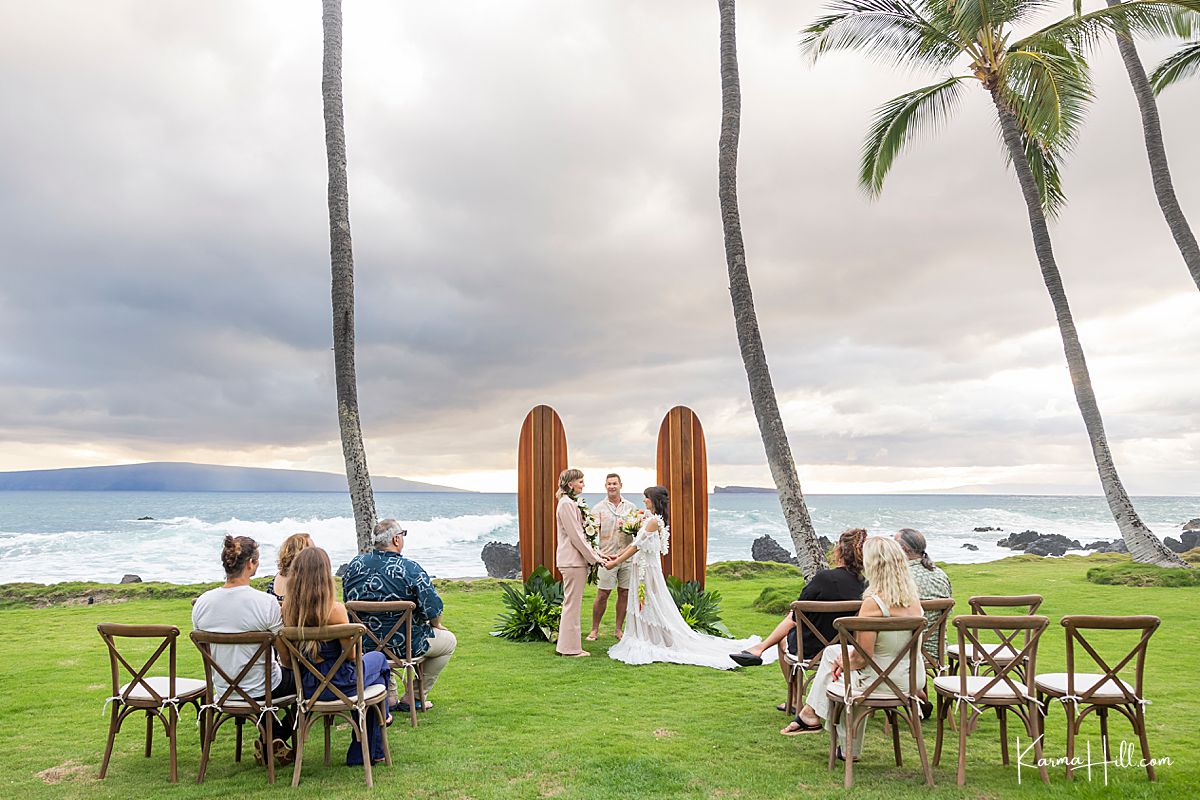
535,220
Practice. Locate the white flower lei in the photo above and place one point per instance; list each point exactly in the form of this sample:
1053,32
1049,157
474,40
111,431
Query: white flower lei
664,534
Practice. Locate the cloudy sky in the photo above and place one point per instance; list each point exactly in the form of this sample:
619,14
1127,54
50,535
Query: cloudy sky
535,220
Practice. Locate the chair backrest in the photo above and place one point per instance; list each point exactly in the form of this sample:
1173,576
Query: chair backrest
851,628
204,641
293,639
937,618
802,608
1007,628
1077,623
110,632
403,611
1006,605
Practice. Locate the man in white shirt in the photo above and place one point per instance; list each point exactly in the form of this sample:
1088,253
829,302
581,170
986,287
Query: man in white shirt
610,513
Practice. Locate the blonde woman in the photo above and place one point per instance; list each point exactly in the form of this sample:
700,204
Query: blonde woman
891,592
573,556
288,551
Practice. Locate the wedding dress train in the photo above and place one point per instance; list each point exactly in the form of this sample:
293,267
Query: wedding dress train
654,628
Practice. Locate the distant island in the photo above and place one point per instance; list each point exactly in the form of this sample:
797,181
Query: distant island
170,476
742,490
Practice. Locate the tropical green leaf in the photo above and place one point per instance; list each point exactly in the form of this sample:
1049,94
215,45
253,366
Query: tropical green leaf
1181,64
890,31
1044,165
1135,17
1048,88
897,121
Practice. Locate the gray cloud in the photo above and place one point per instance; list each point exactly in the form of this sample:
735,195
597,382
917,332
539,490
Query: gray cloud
533,199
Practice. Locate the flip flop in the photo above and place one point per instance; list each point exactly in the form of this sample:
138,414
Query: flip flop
402,707
744,659
591,637
801,727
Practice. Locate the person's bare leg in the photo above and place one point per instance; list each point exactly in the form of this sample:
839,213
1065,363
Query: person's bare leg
622,606
778,635
598,609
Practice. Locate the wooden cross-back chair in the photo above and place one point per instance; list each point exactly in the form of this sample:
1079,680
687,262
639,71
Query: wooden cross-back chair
1006,649
937,619
235,703
158,695
352,708
1007,687
881,693
414,676
1081,693
795,666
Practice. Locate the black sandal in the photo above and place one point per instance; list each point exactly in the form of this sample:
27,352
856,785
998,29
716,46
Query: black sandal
744,659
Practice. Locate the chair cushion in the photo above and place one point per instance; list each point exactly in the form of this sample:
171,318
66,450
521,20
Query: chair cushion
242,705
185,688
371,694
1056,683
1001,652
949,684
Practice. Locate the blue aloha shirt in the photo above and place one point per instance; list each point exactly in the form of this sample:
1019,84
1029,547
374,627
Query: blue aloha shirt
382,576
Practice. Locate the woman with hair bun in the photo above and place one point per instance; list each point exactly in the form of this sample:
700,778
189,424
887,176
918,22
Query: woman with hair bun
237,607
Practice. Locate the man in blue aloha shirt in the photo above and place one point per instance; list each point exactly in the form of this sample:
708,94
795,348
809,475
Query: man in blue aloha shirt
383,575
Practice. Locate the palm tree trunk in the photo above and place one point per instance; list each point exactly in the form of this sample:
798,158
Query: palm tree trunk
1143,545
1157,153
342,262
762,393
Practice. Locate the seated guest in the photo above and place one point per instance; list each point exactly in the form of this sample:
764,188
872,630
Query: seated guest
932,581
384,574
890,592
843,582
310,603
292,545
237,607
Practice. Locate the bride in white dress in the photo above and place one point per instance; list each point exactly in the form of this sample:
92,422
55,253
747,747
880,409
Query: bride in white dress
654,629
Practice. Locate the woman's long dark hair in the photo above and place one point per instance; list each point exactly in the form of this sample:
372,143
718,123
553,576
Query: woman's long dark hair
661,500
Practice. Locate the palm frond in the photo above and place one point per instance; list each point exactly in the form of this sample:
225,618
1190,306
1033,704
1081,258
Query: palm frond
889,31
1186,23
1044,164
897,121
1048,88
1134,17
1181,64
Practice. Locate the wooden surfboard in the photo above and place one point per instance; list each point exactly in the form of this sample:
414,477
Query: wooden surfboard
541,458
683,469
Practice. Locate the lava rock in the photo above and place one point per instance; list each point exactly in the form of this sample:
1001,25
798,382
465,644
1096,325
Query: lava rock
1192,525
969,546
502,560
145,519
341,571
1115,546
985,530
1184,543
1052,544
825,544
767,549
1019,541
131,579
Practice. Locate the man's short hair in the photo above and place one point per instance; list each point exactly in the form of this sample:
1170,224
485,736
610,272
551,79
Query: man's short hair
385,531
613,475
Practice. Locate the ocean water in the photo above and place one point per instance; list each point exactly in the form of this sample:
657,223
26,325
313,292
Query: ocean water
47,537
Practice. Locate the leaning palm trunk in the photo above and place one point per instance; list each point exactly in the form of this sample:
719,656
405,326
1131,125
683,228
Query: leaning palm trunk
1143,545
1164,190
342,263
762,393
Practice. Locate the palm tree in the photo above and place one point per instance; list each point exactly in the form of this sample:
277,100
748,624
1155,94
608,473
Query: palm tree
1039,86
342,262
762,392
1183,62
1160,172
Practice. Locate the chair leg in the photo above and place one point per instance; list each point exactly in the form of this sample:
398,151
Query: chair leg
891,718
1002,713
149,732
1139,714
1070,709
113,726
963,723
269,721
848,747
383,730
172,727
914,722
206,737
1035,733
303,723
834,715
328,726
1102,712
943,709
237,753
365,744
411,694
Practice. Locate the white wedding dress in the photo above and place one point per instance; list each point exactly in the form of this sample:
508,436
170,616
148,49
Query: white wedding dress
656,631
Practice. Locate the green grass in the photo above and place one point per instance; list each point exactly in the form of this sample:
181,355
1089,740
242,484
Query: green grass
512,720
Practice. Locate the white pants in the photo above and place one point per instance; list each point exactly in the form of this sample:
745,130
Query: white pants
441,647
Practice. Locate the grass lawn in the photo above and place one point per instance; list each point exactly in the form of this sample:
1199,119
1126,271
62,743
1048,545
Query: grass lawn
512,720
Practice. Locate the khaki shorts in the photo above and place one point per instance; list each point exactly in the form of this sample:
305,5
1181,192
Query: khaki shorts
621,576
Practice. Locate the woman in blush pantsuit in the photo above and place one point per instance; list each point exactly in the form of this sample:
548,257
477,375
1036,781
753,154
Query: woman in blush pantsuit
573,557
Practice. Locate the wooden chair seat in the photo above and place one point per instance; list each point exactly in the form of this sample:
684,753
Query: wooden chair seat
1002,653
371,695
977,687
236,705
186,690
878,699
1055,685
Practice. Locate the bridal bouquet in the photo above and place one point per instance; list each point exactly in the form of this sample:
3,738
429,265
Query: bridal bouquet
632,523
591,530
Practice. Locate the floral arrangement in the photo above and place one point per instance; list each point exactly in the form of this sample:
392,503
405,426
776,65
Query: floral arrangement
632,523
591,530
